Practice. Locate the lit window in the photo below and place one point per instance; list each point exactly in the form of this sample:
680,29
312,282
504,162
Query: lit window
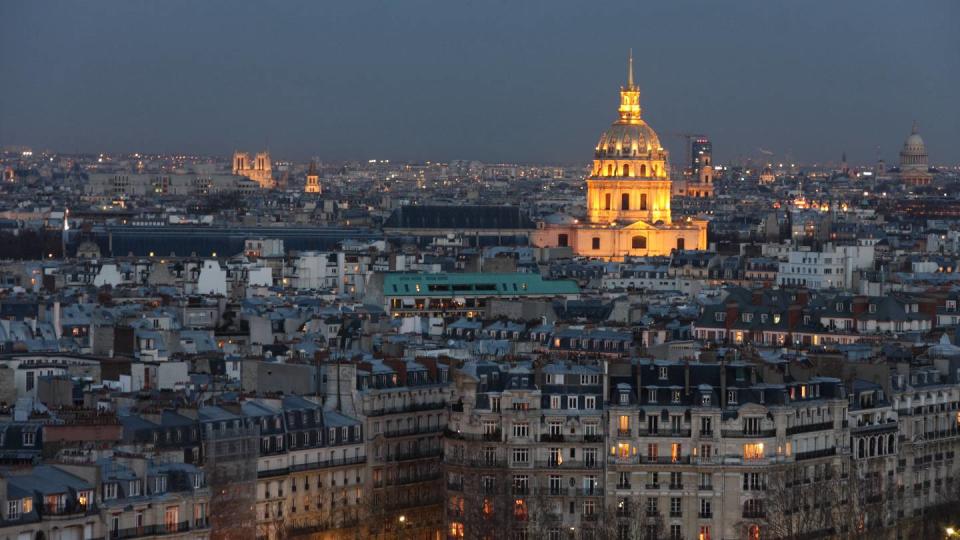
753,451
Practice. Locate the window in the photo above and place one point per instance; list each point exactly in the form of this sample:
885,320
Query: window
705,510
134,488
563,240
625,198
706,481
109,491
596,242
13,510
681,244
643,200
29,438
639,242
572,402
27,506
731,397
590,402
675,505
590,457
521,429
753,451
607,201
171,518
651,506
521,455
751,426
662,373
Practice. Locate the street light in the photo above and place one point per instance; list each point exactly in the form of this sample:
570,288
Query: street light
951,532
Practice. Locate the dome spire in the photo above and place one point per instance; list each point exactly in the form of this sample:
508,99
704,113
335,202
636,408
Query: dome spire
630,69
916,128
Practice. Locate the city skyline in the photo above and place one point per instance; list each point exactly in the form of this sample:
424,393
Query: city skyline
366,81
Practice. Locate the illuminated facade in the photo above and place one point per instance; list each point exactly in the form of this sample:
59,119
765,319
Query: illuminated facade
628,195
313,180
260,170
914,169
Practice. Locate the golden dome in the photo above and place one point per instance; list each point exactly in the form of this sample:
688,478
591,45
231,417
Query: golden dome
629,141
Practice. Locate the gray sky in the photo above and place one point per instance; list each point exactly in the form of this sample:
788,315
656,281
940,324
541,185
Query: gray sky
495,80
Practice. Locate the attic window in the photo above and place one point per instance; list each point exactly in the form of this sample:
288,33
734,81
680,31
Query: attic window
873,308
663,373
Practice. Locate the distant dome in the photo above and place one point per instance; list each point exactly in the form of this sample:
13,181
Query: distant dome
628,140
914,153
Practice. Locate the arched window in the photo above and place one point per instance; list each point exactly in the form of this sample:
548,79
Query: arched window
681,244
643,170
610,169
625,201
860,448
643,201
626,170
639,242
607,200
890,445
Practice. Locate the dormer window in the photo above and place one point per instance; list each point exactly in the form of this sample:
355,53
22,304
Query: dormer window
133,488
651,395
706,401
29,438
663,373
624,398
731,397
160,484
109,491
873,308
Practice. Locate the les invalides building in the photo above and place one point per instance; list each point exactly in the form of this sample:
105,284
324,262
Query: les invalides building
628,195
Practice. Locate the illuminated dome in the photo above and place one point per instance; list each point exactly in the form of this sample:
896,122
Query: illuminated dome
628,141
914,153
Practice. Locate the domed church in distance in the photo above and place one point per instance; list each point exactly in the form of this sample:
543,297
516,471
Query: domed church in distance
914,169
628,195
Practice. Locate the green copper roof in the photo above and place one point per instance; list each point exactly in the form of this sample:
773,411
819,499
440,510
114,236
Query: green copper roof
474,284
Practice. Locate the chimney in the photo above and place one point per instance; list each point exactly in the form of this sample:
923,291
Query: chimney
723,382
56,319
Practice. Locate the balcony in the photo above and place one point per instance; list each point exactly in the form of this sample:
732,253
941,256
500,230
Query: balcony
807,428
589,517
567,464
415,454
593,438
157,530
329,463
676,514
813,454
550,437
623,433
494,436
760,434
651,486
412,431
623,486
411,407
705,515
676,486
754,514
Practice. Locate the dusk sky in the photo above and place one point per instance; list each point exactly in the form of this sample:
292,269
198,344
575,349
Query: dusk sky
488,80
